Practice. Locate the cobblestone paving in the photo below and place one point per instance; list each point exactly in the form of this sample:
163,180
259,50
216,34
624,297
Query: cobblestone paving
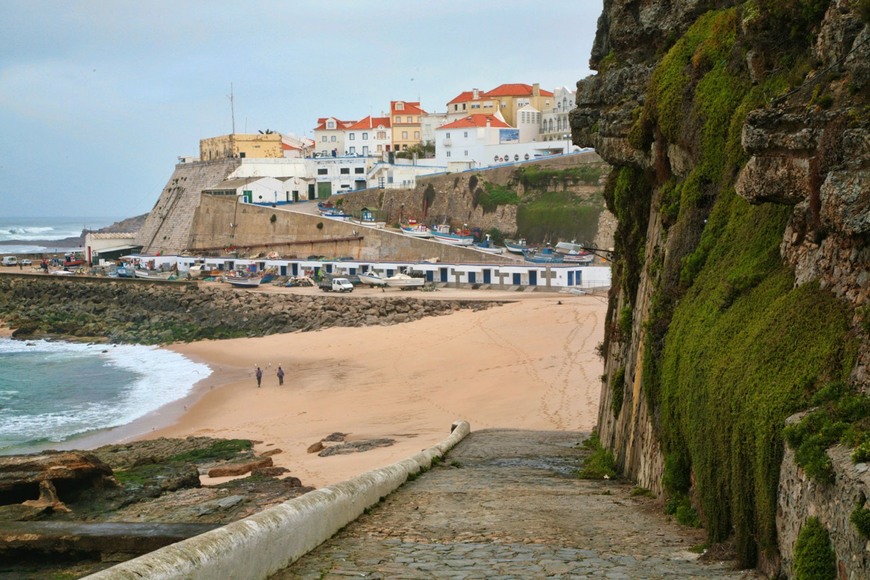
504,504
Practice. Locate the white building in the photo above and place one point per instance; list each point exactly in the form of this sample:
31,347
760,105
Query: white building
369,136
554,124
483,141
329,137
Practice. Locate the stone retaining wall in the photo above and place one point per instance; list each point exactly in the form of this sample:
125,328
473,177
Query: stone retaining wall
264,543
123,310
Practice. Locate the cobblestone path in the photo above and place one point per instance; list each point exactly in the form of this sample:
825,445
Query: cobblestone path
505,504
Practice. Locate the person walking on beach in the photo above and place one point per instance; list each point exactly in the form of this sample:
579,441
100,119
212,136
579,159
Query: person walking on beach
259,376
280,375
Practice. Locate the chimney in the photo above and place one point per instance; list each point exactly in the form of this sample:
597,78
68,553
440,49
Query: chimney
536,90
488,120
475,94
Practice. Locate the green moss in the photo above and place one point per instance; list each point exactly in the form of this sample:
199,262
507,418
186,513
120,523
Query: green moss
534,177
860,518
814,556
491,196
555,215
600,463
617,391
221,450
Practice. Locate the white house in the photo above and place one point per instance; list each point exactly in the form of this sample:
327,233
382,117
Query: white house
329,137
369,136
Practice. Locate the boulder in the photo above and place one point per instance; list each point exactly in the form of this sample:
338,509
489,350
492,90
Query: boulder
21,476
239,468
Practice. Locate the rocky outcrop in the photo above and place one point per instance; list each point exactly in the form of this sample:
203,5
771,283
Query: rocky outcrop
45,480
127,311
693,101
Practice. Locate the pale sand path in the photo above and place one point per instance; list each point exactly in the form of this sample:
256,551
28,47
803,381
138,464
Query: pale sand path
526,365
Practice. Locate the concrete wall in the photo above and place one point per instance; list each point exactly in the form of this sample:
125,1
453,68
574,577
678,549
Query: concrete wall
297,234
264,543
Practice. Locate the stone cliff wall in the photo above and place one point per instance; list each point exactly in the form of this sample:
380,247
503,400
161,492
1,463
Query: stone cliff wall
739,133
152,313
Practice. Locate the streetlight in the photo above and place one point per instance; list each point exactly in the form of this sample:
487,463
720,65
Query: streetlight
567,143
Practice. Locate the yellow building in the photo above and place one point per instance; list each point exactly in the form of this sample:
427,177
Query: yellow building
258,146
406,125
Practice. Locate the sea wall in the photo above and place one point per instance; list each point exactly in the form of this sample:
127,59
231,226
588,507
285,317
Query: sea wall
121,310
262,544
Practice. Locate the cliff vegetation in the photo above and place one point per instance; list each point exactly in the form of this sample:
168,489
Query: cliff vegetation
737,298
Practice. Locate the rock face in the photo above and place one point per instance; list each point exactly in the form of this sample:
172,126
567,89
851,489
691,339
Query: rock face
45,480
694,101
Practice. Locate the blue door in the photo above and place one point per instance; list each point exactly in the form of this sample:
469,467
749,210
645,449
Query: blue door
472,277
579,277
570,278
487,276
443,274
518,279
283,270
430,276
390,273
533,277
294,269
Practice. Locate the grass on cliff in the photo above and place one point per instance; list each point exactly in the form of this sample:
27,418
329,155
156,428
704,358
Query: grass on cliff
733,347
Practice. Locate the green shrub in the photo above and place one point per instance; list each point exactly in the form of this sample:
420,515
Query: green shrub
860,518
814,557
599,463
220,450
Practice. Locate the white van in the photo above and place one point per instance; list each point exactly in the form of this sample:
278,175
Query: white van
10,261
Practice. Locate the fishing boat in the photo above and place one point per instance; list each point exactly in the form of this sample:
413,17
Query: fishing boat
404,281
442,233
240,282
335,214
581,257
151,274
368,218
516,246
487,246
371,279
241,279
415,230
571,247
544,255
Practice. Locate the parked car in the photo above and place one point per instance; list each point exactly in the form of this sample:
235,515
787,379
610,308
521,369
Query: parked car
25,262
10,261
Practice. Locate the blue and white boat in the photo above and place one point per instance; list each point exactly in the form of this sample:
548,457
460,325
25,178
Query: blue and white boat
516,246
442,233
487,246
544,256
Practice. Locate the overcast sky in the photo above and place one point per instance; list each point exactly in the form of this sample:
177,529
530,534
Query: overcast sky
98,98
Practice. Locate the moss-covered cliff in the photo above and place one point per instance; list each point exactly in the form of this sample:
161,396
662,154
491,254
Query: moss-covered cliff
740,137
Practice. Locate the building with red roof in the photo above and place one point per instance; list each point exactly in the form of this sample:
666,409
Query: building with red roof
369,136
506,99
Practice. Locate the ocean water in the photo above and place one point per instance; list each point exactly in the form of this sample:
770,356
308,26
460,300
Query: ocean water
54,391
25,229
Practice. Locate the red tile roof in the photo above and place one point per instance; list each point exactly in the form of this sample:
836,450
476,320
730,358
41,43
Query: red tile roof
466,96
410,108
476,121
371,122
339,124
515,90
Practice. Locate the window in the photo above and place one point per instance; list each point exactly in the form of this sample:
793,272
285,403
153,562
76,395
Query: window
332,138
365,136
448,135
352,150
463,106
351,136
359,169
382,135
345,171
448,154
465,133
323,138
400,106
404,134
330,124
322,170
465,152
416,134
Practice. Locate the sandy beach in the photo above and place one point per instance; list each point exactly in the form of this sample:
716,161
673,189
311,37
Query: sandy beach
530,364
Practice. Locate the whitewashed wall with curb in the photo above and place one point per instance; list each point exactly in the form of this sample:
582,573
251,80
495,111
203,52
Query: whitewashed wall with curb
264,543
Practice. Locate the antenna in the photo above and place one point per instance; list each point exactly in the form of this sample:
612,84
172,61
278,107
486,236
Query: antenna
232,109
